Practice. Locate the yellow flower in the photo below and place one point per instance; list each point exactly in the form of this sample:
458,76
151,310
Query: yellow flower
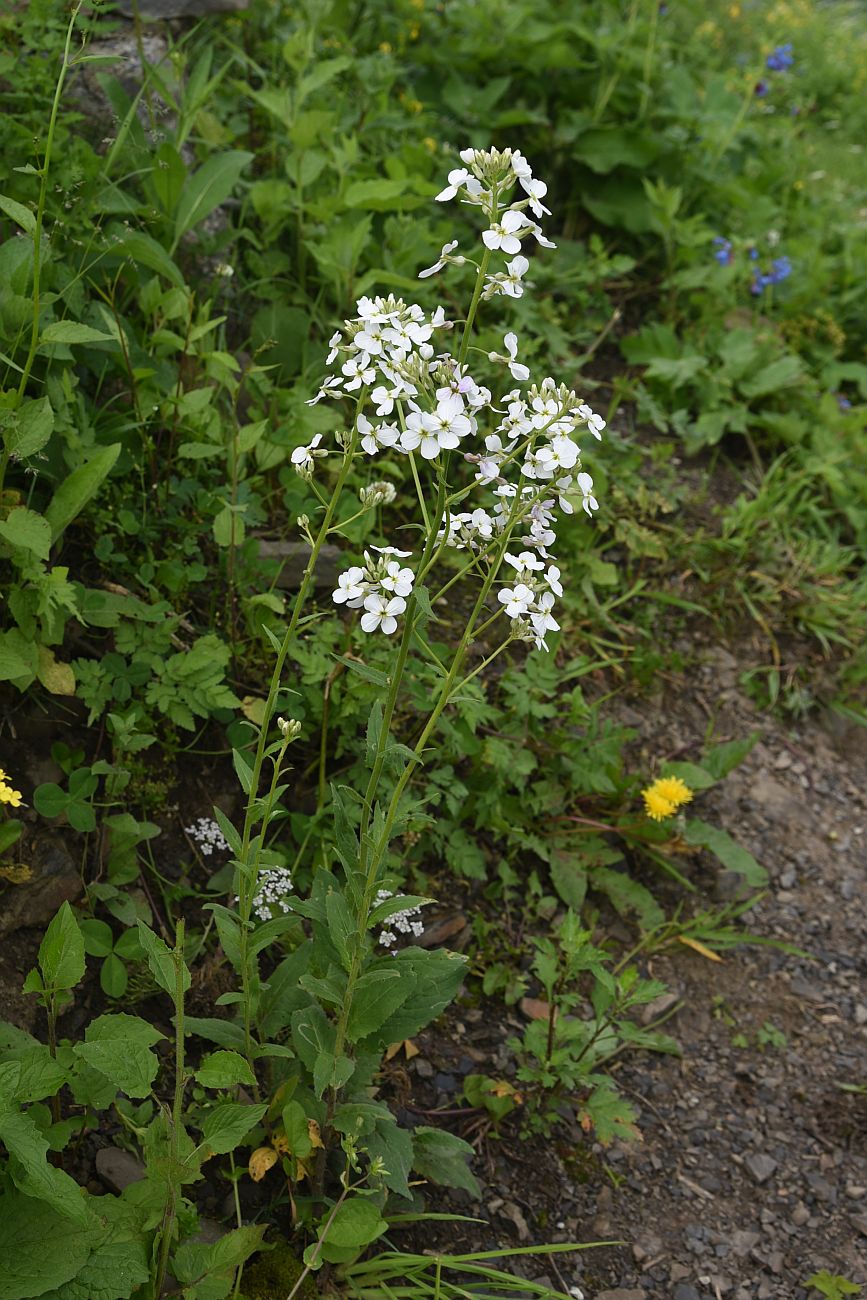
8,795
663,798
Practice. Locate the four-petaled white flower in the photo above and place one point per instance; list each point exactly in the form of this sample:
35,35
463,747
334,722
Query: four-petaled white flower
381,612
351,588
585,483
517,599
502,233
443,257
302,457
375,438
457,178
431,432
397,580
358,371
518,371
516,269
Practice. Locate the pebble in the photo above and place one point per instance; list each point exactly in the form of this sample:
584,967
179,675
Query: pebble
686,1292
760,1166
800,1214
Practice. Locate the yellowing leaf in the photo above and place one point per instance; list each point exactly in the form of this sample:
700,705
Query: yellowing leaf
262,1159
408,1046
17,873
699,947
253,708
313,1134
281,1142
56,677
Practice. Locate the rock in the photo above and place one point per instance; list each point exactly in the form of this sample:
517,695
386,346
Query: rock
423,1068
153,10
800,1214
860,1014
292,558
859,1221
760,1166
622,1293
658,1007
513,1212
118,1168
683,1291
742,1242
56,879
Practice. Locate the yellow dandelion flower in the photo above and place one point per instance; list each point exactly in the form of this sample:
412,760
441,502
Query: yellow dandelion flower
663,798
10,796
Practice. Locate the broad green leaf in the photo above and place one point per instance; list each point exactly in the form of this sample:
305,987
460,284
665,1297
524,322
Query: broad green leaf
730,853
610,1114
119,1263
28,530
435,978
297,1129
71,331
208,188
75,491
18,658
378,993
57,677
41,1075
569,877
443,1158
223,1070
355,1225
28,1269
393,1145
61,953
143,250
223,1032
27,430
341,927
31,1172
98,937
17,211
113,977
119,1046
226,1126
720,760
697,778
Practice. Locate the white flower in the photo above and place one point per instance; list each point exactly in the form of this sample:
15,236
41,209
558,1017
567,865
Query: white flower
537,191
457,178
542,620
516,269
526,560
208,836
517,370
373,438
502,233
379,493
274,884
384,398
330,387
443,258
380,613
595,423
302,457
585,483
552,577
351,588
334,344
358,371
391,550
442,429
536,232
397,580
517,599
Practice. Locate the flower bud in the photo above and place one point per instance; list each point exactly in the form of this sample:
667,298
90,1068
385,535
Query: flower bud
290,729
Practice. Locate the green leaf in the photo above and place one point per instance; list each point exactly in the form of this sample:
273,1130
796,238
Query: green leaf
17,211
70,331
226,1126
119,1046
27,530
782,373
18,658
731,854
720,760
569,877
31,1172
628,896
435,978
393,1145
341,927
160,960
442,1157
98,938
610,1114
297,1129
378,994
75,491
113,978
355,1225
61,953
378,194
362,670
223,1032
697,778
223,1070
26,431
143,250
208,188
26,1225
40,1074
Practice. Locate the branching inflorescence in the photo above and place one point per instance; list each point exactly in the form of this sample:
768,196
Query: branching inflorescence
417,400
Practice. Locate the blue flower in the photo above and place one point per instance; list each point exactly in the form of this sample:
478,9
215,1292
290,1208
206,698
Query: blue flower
781,269
781,58
762,89
723,248
754,254
843,402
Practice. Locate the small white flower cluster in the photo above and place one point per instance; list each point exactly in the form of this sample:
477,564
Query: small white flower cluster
403,922
274,884
421,401
529,602
380,587
207,836
379,493
482,182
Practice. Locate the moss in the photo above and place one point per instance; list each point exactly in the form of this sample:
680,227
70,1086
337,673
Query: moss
273,1275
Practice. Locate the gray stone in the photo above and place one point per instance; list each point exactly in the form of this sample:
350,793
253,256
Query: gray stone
118,1168
293,557
800,1214
760,1166
622,1293
55,879
742,1242
684,1291
153,10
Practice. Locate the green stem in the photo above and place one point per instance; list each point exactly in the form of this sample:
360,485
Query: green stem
176,1120
247,882
40,219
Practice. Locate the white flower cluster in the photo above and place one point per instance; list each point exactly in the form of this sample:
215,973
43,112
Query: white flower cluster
380,587
274,884
207,836
482,182
529,602
416,400
404,922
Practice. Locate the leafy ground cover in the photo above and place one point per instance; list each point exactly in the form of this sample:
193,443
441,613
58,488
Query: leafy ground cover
232,796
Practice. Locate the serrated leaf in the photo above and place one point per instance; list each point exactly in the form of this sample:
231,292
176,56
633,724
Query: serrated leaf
443,1158
26,1224
160,961
378,994
226,1126
628,896
61,953
27,430
224,1070
119,1046
27,530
